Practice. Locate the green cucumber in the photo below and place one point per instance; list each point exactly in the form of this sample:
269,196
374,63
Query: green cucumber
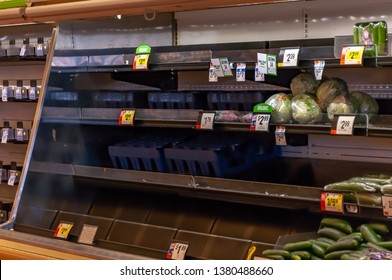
355,235
315,258
304,255
385,244
317,250
374,246
346,244
275,257
369,234
382,38
336,255
277,252
379,228
297,246
349,257
348,186
386,189
332,233
325,239
322,244
336,223
379,181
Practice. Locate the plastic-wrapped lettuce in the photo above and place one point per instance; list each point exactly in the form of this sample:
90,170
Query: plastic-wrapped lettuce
304,83
340,105
329,89
305,109
281,108
364,103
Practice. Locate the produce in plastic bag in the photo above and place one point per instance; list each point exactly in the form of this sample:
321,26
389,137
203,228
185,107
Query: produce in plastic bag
364,103
340,105
281,108
305,109
329,89
304,83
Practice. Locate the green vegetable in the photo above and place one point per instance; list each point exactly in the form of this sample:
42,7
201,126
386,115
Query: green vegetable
304,83
363,103
275,257
315,258
385,244
379,228
386,189
328,90
304,255
281,108
317,250
336,223
336,255
325,239
380,181
277,252
373,245
305,109
369,234
355,235
332,233
349,186
340,105
297,246
322,244
346,244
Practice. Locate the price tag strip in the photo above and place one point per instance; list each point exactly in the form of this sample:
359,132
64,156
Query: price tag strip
12,177
225,67
63,230
87,235
4,94
4,135
288,57
352,55
205,120
332,202
343,125
127,117
177,250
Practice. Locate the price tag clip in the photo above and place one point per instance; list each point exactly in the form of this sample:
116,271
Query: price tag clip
343,125
261,117
332,202
288,57
352,55
63,230
127,117
177,250
141,59
206,120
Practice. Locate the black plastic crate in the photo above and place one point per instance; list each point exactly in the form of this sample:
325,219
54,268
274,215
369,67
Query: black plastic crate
238,101
176,100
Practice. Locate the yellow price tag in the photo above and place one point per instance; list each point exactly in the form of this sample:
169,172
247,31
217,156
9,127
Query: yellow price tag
140,62
352,55
332,202
127,117
63,230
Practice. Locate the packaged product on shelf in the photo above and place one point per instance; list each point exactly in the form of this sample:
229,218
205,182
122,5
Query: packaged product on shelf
341,104
7,133
20,91
281,108
364,103
373,35
329,89
305,109
304,83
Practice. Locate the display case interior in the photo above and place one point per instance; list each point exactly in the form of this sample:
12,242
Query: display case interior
143,186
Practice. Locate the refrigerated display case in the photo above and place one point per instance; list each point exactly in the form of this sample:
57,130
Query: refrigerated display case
160,180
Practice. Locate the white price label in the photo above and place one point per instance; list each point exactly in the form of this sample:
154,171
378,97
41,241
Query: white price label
22,50
352,55
280,136
4,136
290,57
319,69
387,205
240,72
212,77
177,251
12,178
18,93
259,76
4,94
206,120
217,67
261,122
87,234
225,67
271,65
32,95
343,125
